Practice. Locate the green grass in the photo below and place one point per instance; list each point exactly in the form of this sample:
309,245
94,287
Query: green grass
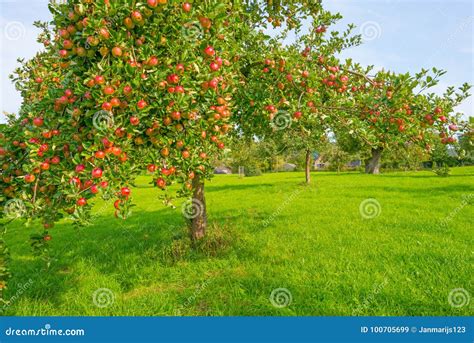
267,232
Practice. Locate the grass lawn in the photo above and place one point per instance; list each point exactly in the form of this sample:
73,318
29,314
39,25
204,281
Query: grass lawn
266,233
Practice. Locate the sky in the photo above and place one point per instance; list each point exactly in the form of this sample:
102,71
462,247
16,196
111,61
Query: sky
398,35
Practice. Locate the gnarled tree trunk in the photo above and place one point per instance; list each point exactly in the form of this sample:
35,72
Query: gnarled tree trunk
197,227
308,166
372,164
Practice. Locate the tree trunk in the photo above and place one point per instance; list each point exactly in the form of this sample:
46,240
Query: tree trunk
198,223
308,167
372,164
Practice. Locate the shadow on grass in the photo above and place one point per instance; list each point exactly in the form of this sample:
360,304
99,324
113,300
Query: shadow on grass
117,250
420,176
112,247
430,191
239,187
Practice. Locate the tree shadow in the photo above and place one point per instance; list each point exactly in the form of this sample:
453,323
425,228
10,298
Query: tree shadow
111,247
238,187
420,176
430,191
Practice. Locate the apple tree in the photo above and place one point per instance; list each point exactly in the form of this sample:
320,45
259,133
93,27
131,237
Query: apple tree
134,92
392,111
124,88
291,89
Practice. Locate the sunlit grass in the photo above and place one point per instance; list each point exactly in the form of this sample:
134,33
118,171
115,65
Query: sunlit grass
267,232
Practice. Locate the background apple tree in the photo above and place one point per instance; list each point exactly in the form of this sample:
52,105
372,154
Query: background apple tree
395,111
290,90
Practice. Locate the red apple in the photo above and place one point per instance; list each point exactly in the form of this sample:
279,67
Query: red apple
125,191
186,7
161,183
29,178
141,104
117,51
81,202
209,51
97,173
173,78
152,3
134,120
214,66
38,121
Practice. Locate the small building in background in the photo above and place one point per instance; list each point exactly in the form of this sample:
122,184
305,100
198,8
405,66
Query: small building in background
319,163
287,167
222,170
354,164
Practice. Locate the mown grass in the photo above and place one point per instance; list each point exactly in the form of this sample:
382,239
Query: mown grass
266,232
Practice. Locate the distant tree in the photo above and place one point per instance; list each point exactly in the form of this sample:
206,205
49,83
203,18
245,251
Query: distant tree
466,147
391,110
336,157
409,157
245,153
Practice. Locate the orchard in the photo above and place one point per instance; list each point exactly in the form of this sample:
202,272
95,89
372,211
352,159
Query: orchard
119,90
158,88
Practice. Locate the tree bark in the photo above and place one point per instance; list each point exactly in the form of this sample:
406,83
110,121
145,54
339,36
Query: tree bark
197,227
372,164
308,167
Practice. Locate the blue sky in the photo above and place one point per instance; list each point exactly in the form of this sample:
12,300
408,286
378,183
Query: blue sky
399,35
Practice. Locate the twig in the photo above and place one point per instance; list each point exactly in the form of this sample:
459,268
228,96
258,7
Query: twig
365,140
299,100
339,108
35,190
361,75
